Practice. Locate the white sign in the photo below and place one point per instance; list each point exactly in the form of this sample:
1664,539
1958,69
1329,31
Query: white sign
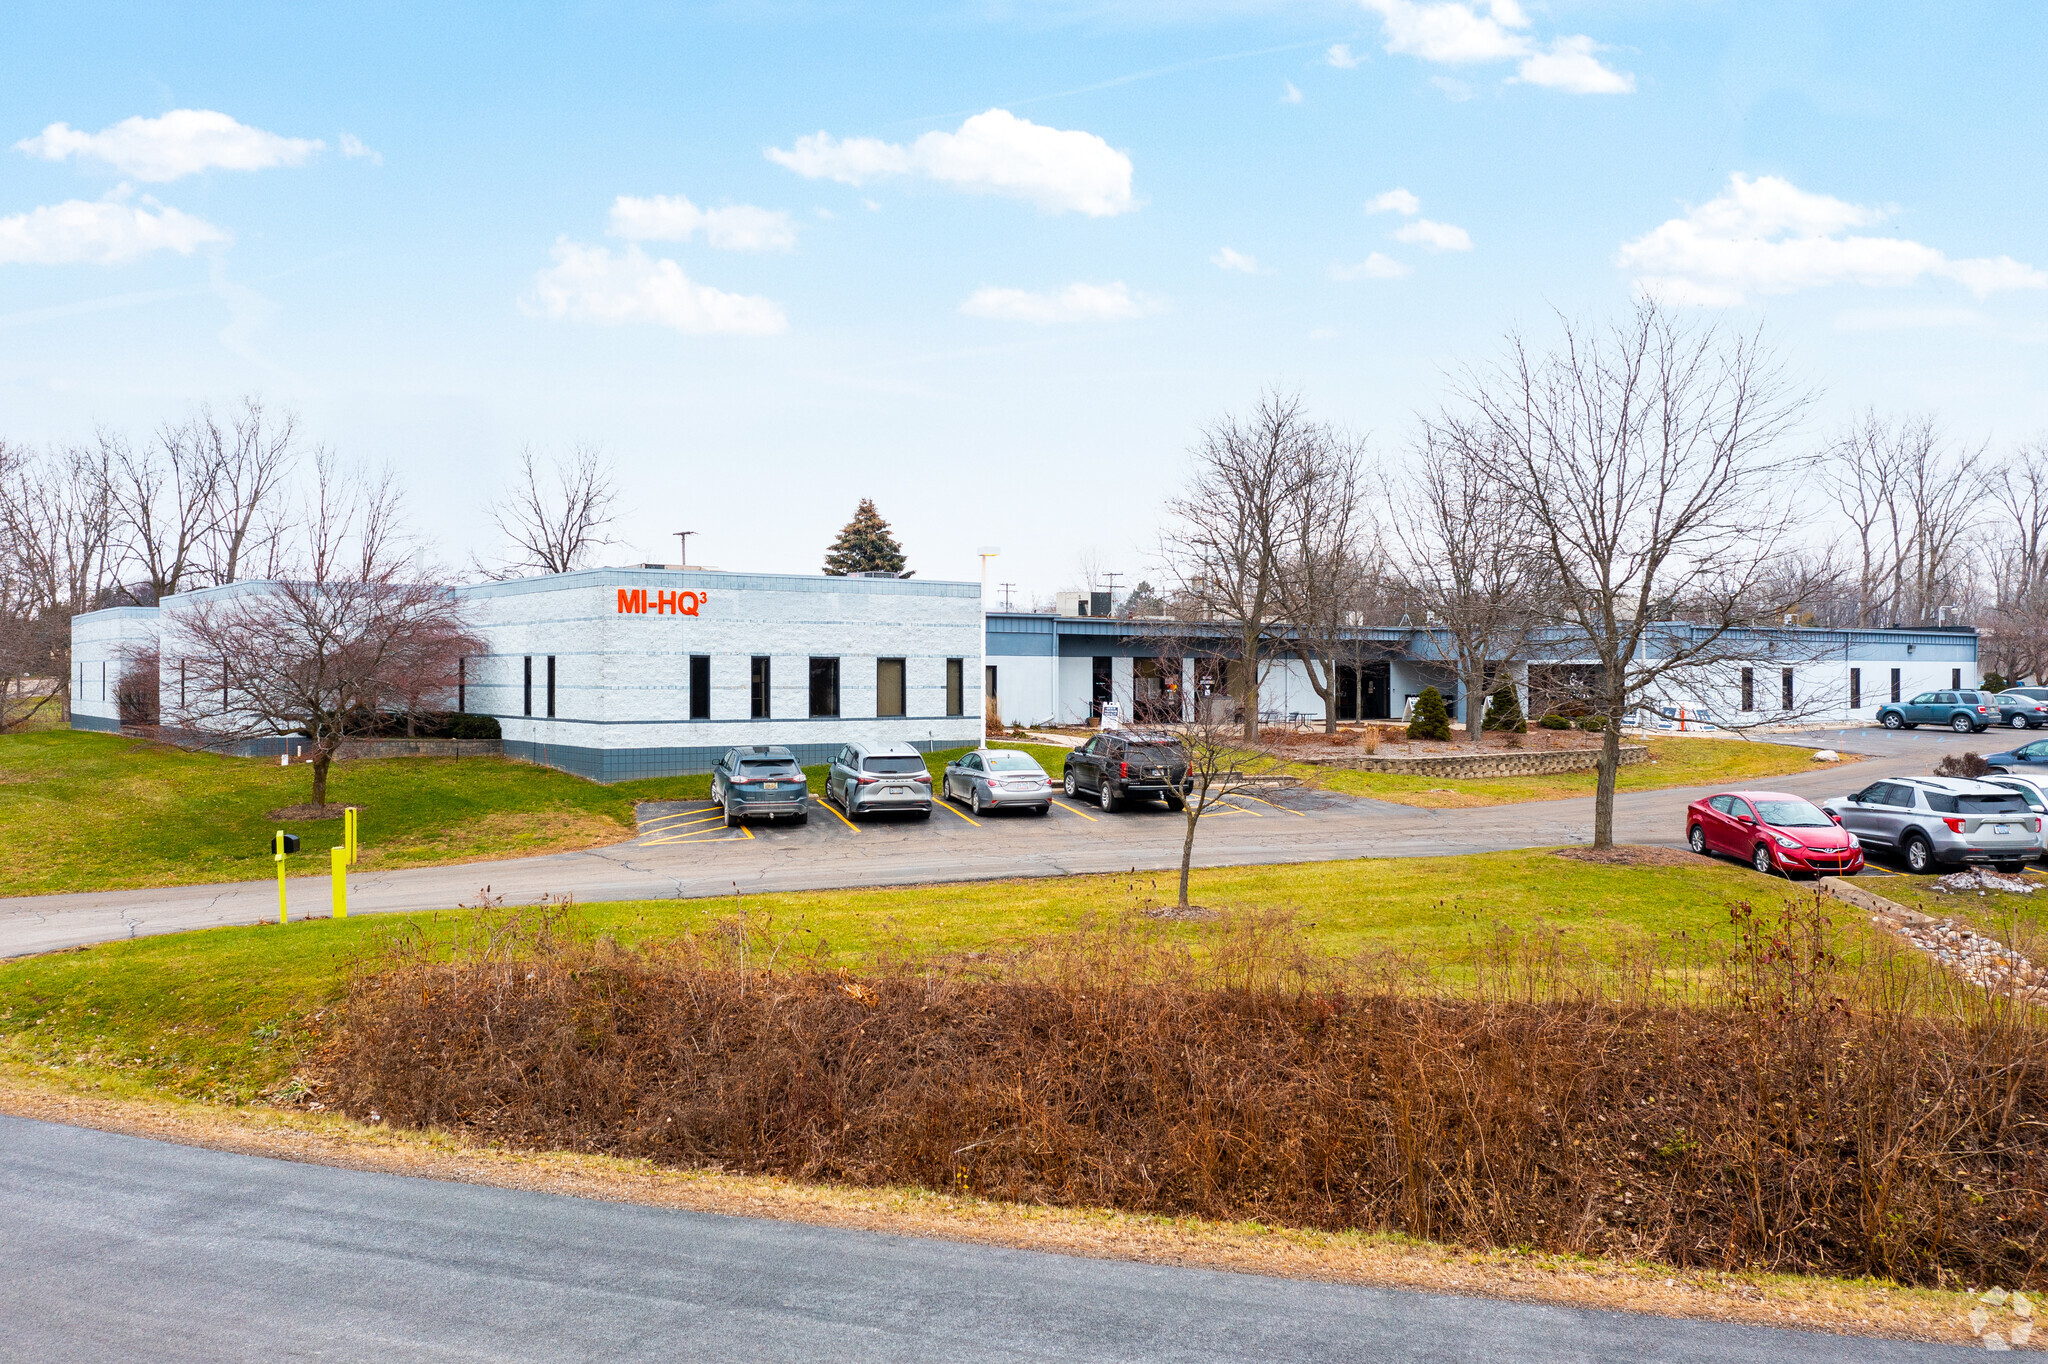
1112,715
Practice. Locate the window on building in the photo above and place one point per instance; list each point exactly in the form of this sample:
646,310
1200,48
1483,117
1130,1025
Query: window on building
889,687
1955,677
1749,689
758,686
988,679
461,686
551,686
1855,689
956,686
529,685
1785,689
181,684
103,681
700,686
1895,684
824,688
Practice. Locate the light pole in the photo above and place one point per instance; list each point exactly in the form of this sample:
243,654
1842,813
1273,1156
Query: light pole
986,552
684,537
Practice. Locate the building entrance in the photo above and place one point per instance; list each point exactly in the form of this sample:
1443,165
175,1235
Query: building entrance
1362,691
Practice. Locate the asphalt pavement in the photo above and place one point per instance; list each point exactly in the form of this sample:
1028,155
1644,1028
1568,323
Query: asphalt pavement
121,1248
682,851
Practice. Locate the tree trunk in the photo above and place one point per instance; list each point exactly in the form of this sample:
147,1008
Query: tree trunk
1610,768
1187,848
321,758
1248,696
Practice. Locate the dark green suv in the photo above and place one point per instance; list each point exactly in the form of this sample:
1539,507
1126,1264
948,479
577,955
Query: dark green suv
1962,711
760,782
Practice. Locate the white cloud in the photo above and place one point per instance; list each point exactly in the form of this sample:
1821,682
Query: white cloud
107,232
673,218
591,284
1768,236
1570,66
1395,201
1375,266
1906,319
1459,34
1341,56
1227,259
1059,170
1075,303
182,142
1435,236
1290,93
355,149
1453,89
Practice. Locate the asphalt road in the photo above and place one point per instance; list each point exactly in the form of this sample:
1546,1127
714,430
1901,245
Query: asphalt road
120,1248
682,853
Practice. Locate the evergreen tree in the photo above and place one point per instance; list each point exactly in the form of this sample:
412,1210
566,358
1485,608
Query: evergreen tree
1994,682
1431,720
1504,712
864,546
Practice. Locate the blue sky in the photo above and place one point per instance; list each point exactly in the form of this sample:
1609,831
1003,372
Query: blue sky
991,265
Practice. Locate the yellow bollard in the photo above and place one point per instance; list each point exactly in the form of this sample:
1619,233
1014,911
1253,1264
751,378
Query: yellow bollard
277,852
348,824
338,859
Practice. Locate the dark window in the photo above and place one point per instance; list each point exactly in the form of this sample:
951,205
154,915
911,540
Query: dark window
1749,689
529,684
1855,688
1955,677
551,686
759,686
1895,684
461,685
181,684
700,686
988,679
956,686
1103,689
824,687
888,688
894,767
103,685
1785,689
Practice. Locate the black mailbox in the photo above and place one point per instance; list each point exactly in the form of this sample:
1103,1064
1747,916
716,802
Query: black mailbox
291,842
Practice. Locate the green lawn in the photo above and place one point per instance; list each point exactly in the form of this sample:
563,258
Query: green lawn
228,1013
1673,762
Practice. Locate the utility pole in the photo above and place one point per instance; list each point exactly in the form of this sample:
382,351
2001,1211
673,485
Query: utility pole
684,537
1006,595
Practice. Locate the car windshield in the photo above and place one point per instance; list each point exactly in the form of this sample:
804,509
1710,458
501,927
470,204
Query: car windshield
998,760
764,767
1941,802
1792,814
894,767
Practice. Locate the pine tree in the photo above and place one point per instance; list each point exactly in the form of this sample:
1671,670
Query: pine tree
1431,720
864,546
1504,712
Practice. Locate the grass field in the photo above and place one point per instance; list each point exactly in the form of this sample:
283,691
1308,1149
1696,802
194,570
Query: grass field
226,1014
1673,762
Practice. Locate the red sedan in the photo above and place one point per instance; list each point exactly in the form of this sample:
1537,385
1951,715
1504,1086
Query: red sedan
1773,833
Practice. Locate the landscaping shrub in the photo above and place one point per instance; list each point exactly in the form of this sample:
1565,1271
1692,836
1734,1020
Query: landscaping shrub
1593,724
1961,765
1995,682
1554,721
1504,711
1432,720
474,727
1759,1105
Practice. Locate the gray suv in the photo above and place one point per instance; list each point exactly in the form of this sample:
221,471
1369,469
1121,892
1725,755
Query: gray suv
869,778
760,782
1931,820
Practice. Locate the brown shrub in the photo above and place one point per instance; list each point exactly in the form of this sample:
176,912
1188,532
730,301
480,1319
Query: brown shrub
1709,1110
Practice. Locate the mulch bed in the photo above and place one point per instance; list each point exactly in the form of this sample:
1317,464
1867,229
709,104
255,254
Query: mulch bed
292,812
1631,855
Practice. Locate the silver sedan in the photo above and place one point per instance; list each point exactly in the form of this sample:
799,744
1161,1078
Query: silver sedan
998,779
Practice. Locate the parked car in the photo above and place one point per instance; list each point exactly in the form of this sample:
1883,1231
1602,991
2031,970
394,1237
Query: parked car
2033,789
760,781
1773,833
2027,757
1962,711
2035,693
1128,765
869,779
2020,710
998,779
1932,820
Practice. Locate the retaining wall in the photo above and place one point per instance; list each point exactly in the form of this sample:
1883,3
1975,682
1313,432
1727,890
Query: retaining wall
1493,764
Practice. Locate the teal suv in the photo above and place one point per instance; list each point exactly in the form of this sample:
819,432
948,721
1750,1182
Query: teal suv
1965,712
760,782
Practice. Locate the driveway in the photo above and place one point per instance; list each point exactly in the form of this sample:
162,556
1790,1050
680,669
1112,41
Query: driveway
131,1249
683,851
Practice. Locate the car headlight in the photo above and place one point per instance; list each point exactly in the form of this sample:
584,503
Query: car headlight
1785,842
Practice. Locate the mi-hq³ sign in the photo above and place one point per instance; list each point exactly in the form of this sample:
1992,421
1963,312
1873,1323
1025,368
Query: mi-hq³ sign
634,601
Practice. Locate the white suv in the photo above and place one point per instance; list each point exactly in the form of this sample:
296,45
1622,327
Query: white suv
1932,820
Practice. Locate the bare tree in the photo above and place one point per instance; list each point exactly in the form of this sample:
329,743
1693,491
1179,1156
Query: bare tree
2017,623
56,523
1326,573
1226,546
324,650
555,520
253,455
1911,497
1649,457
1471,559
166,503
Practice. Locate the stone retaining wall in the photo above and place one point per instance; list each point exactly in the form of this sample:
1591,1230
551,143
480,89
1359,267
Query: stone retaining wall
352,750
1491,764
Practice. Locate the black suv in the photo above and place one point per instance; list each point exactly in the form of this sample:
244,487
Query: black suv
1128,765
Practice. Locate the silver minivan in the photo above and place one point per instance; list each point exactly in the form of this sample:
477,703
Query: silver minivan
1933,820
867,779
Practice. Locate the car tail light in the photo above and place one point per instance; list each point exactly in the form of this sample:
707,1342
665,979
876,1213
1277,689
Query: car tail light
1123,769
1980,710
867,781
1955,824
925,777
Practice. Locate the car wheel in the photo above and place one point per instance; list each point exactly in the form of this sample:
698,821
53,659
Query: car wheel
1696,839
2018,722
1046,808
1067,782
1105,796
1761,859
804,818
1176,804
732,820
974,800
2010,868
846,801
1961,724
1894,721
1919,854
